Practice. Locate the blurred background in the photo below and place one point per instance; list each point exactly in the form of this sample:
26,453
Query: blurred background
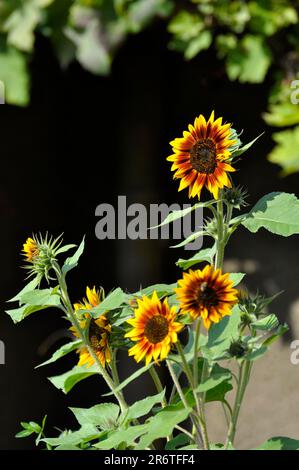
95,90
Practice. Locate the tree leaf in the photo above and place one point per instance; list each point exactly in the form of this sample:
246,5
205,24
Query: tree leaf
15,76
276,212
285,152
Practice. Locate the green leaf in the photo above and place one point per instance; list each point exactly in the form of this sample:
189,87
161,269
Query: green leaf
267,323
72,262
198,44
175,215
236,278
104,415
161,289
190,239
276,212
29,287
285,152
68,380
65,349
221,334
203,255
215,379
281,330
127,436
65,248
176,442
41,297
130,379
256,353
250,60
113,301
162,424
283,114
24,433
143,407
18,314
280,443
244,148
68,439
15,76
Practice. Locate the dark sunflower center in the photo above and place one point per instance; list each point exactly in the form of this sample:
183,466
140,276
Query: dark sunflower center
95,335
203,156
156,329
207,296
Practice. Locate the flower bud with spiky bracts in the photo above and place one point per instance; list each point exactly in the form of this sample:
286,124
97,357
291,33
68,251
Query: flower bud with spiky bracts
235,196
253,307
211,227
40,253
238,349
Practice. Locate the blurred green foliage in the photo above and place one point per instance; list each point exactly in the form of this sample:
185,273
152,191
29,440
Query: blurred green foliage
250,38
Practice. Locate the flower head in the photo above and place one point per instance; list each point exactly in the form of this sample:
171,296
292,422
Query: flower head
154,329
206,293
30,249
201,156
99,330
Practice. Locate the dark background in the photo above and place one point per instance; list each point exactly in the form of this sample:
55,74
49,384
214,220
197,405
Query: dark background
83,141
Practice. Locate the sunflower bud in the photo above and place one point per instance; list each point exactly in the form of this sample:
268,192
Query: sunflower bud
235,196
238,349
40,253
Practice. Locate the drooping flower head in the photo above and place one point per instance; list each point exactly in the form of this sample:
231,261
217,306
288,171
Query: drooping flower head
201,156
99,330
154,329
206,293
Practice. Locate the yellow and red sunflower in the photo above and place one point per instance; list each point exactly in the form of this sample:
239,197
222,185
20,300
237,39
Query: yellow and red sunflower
30,249
99,330
154,329
206,293
201,156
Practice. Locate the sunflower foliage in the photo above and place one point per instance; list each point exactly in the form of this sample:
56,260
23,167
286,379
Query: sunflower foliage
206,330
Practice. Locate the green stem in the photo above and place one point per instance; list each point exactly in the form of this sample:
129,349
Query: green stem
195,359
158,383
185,403
244,374
220,236
81,334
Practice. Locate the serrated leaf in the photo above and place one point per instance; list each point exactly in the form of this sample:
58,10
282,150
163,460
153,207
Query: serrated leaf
104,415
69,439
72,261
68,380
276,212
143,407
65,349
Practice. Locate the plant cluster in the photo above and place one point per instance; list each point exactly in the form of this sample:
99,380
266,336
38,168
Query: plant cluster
202,328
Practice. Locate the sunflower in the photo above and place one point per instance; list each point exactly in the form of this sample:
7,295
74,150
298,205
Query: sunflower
99,330
30,249
154,329
206,293
201,156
